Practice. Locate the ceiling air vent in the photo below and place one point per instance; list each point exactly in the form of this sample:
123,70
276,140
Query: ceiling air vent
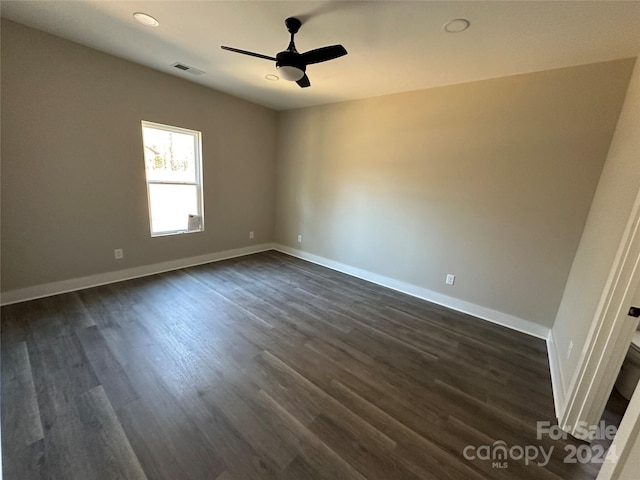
187,68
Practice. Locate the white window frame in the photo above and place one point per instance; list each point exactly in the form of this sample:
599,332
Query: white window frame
198,173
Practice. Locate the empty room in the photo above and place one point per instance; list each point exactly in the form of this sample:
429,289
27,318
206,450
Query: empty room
320,240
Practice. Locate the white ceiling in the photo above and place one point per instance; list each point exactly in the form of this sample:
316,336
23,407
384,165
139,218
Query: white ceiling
393,46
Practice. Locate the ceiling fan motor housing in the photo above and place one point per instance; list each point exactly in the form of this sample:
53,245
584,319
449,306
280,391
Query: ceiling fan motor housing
290,59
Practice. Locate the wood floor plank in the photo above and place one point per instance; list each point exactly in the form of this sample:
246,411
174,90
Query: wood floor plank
422,455
61,375
315,452
373,462
110,373
20,412
160,417
241,460
251,424
166,439
26,463
104,440
327,404
61,372
14,324
152,446
299,470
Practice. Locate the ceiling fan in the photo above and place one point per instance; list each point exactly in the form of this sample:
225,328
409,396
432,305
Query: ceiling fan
291,64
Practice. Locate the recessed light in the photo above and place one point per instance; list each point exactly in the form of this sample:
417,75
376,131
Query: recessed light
456,25
272,77
145,19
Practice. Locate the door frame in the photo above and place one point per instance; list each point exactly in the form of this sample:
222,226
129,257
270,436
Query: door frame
623,456
609,336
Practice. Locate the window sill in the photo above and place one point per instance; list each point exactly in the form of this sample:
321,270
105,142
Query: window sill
177,232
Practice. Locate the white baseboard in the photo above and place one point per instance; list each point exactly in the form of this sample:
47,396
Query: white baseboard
55,288
557,380
494,316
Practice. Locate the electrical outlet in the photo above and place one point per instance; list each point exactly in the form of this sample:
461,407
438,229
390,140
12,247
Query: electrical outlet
250,235
570,348
118,253
299,238
450,279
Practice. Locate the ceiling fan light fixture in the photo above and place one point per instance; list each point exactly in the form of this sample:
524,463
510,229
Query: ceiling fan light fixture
293,74
146,19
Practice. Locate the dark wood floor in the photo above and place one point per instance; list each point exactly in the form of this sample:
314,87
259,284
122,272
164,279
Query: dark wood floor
266,367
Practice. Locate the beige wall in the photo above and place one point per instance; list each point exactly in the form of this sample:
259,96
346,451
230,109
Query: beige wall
612,204
490,181
73,185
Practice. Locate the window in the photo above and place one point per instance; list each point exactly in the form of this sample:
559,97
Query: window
173,166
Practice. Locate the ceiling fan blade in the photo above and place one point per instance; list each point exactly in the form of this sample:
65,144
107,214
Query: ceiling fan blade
323,54
304,81
244,52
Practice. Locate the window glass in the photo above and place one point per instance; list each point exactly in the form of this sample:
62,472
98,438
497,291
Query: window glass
173,168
